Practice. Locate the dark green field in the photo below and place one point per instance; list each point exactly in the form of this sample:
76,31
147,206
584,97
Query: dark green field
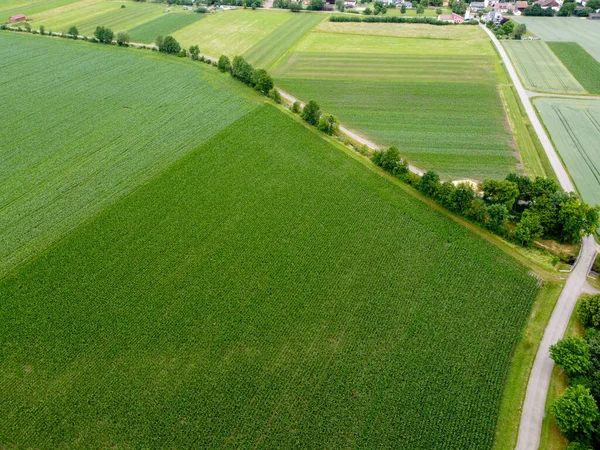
163,26
267,290
584,67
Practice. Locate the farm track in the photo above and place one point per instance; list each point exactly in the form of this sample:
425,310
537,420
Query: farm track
533,410
532,94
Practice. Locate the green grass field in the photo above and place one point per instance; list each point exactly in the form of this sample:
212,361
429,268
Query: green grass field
106,121
268,290
28,7
565,29
539,69
89,14
273,46
162,26
436,99
231,32
407,30
574,127
580,63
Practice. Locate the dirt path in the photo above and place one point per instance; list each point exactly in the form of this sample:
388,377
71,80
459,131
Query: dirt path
532,94
534,406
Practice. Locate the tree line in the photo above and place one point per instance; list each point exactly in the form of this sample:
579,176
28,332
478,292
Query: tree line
516,208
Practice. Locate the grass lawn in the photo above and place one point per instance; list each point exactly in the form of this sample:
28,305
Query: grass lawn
274,45
539,69
107,120
231,32
406,30
574,126
266,290
89,14
580,63
163,25
565,29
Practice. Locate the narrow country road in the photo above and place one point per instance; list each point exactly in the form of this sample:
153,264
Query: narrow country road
534,406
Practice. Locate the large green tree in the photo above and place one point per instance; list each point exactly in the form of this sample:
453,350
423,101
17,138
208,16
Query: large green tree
576,414
312,113
572,354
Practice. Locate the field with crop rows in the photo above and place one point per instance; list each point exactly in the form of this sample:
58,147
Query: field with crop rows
232,32
574,127
163,25
580,63
12,7
273,46
565,29
268,290
540,69
88,124
407,30
86,15
431,97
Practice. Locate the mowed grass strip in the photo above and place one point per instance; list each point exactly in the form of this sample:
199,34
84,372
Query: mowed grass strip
540,69
162,26
104,125
11,8
267,290
580,63
231,32
273,46
317,42
457,129
574,127
405,30
381,66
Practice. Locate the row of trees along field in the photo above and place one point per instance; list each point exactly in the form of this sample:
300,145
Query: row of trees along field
576,411
517,207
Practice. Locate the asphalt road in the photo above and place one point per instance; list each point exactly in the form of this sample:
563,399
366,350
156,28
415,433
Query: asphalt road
534,406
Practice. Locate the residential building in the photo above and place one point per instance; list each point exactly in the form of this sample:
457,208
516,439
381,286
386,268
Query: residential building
451,18
504,7
494,16
17,18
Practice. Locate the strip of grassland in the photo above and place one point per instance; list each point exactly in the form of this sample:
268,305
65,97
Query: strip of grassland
266,52
405,30
584,67
507,428
162,26
540,69
574,126
231,32
88,124
228,301
29,8
534,158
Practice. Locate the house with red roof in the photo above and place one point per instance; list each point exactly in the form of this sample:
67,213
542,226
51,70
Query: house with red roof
17,18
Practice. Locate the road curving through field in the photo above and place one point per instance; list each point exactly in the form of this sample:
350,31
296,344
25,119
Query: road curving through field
534,406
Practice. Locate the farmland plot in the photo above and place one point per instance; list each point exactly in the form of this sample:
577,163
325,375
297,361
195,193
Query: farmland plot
231,32
432,98
106,121
406,30
574,127
540,69
266,291
580,63
11,7
163,25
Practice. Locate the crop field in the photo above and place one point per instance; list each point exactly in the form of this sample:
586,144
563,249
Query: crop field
231,32
103,126
574,127
273,46
540,69
565,29
163,25
265,291
580,63
405,30
89,14
11,7
430,97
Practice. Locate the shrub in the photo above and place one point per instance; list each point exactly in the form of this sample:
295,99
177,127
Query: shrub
429,183
589,311
498,215
311,113
296,107
390,161
224,64
202,10
104,35
194,51
242,70
572,354
122,38
169,45
328,124
262,81
42,29
275,95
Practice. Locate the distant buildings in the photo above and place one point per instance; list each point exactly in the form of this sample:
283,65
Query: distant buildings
451,18
17,18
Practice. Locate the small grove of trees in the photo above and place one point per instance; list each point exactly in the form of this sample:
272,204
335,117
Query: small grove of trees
243,71
311,113
537,10
73,32
122,39
517,207
104,35
576,412
168,45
